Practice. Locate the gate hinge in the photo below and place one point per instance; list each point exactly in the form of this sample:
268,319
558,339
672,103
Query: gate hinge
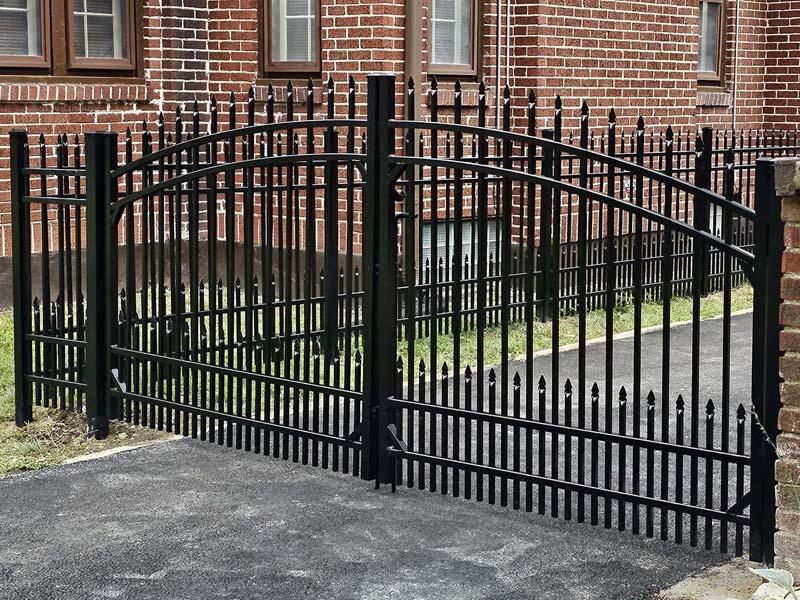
749,272
355,434
120,385
393,439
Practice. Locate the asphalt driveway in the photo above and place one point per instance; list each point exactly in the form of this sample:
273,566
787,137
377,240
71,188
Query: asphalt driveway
187,519
191,520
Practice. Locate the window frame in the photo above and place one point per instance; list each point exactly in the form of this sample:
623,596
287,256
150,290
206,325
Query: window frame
713,78
60,64
470,70
286,66
33,62
104,64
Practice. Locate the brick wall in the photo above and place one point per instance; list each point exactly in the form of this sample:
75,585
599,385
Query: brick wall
782,77
639,57
787,542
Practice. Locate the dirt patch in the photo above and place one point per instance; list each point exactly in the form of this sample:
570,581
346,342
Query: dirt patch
55,437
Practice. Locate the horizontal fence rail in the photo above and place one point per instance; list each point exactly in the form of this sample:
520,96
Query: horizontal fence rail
224,277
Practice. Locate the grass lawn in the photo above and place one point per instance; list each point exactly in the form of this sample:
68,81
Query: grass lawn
681,311
54,437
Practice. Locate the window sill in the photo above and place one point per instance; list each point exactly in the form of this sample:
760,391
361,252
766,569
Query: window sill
86,92
713,97
300,86
469,95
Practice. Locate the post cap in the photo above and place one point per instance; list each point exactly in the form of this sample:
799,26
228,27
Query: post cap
787,176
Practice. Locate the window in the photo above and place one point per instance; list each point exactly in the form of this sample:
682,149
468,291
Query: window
710,52
68,37
99,33
22,34
453,48
292,36
446,232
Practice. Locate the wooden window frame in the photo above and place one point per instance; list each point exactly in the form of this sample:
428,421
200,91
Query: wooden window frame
60,64
271,66
33,62
713,78
473,68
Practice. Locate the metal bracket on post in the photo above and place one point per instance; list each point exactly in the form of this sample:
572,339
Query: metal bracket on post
766,380
101,268
380,285
21,257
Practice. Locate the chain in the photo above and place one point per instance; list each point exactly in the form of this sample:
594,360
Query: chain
763,431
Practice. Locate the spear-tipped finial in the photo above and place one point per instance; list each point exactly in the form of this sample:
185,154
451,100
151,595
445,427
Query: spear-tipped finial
559,104
670,133
517,381
568,386
741,413
595,390
623,395
584,109
729,158
468,374
542,382
492,376
651,400
640,124
710,408
434,85
612,116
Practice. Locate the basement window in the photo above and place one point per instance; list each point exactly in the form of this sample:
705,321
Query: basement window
446,242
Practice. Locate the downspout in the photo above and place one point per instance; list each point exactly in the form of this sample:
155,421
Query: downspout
498,62
508,41
413,49
736,67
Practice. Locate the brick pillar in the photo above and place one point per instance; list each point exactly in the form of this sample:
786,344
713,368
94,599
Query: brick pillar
787,469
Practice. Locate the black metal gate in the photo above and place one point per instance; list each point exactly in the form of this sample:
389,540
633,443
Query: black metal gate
376,296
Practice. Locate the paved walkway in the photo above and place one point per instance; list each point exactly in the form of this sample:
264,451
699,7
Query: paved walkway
190,520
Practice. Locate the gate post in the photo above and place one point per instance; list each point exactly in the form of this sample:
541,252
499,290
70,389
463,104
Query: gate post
768,251
101,298
21,258
380,281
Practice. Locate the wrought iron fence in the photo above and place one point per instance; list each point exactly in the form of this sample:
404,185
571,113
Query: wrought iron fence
230,285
